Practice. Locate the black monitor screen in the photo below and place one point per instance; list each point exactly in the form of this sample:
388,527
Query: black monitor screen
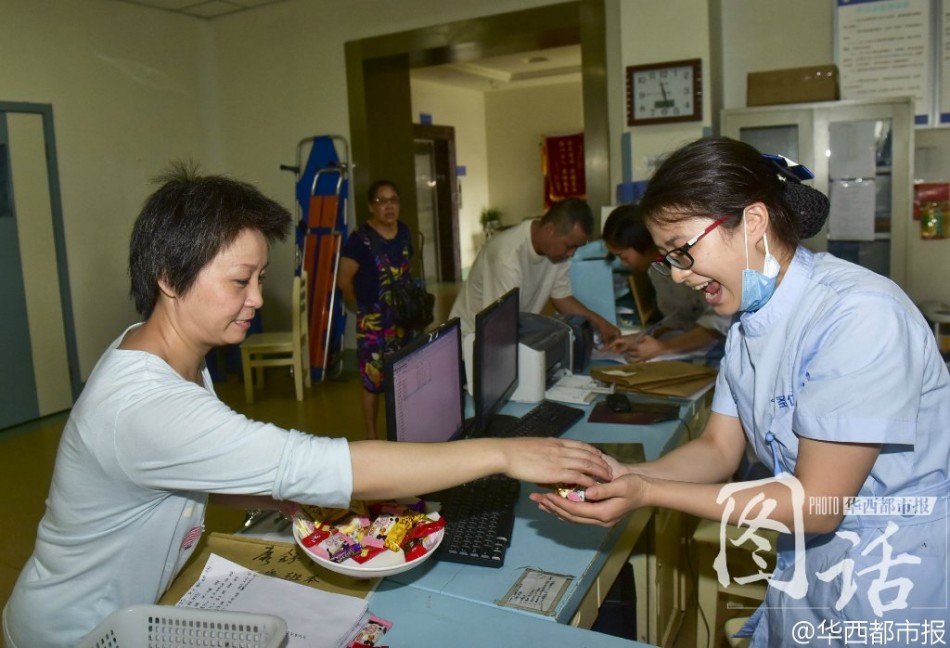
495,358
424,400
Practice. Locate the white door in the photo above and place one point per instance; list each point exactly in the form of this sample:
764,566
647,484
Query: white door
36,337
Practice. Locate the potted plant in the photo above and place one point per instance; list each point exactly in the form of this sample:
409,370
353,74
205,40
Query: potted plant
490,220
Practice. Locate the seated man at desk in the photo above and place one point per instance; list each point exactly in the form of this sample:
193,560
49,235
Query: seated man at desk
533,256
689,324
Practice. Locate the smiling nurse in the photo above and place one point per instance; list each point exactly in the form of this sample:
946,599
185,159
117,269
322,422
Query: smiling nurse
833,379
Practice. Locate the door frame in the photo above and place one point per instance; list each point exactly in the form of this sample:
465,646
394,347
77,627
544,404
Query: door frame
59,236
447,203
379,94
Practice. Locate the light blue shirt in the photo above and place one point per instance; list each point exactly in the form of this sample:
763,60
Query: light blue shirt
141,450
841,354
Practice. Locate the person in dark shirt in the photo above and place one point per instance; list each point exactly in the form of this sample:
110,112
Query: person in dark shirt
379,250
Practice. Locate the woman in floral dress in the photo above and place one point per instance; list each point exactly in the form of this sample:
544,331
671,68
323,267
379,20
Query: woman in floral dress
377,252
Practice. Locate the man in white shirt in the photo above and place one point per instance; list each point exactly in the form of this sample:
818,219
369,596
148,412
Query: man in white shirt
533,256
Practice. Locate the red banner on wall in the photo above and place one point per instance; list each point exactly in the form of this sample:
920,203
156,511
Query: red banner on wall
562,163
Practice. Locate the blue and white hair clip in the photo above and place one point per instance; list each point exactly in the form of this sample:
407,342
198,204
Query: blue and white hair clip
789,169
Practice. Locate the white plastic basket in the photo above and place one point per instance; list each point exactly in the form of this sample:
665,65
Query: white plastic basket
163,626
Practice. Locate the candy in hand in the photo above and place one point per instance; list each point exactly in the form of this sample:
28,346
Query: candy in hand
571,492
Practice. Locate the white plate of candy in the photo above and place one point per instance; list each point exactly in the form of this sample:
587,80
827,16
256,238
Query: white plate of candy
369,540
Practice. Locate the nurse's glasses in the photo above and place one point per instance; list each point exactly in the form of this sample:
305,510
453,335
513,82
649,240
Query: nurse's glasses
680,258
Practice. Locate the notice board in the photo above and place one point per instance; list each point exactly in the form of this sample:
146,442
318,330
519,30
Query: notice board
895,48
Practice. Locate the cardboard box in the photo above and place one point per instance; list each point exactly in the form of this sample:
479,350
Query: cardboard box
794,85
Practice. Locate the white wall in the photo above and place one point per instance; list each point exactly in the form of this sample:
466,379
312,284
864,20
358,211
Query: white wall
756,35
654,32
517,121
465,111
760,35
128,95
133,88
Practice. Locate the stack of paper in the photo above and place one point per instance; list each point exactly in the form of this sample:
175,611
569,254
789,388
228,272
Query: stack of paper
664,378
578,390
315,618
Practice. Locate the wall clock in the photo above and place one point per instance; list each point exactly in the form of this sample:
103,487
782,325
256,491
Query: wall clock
662,93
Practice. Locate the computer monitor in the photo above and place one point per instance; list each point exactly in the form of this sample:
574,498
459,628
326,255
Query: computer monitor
423,385
494,359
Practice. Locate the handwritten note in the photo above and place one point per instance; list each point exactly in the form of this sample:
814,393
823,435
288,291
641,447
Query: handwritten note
315,619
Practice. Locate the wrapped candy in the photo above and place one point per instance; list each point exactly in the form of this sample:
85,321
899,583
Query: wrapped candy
337,547
375,535
366,530
571,492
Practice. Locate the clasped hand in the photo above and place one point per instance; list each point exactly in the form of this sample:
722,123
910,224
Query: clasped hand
606,503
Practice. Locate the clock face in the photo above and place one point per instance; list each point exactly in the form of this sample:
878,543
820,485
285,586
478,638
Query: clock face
664,93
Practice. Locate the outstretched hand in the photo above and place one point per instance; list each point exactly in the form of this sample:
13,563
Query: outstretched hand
605,505
548,461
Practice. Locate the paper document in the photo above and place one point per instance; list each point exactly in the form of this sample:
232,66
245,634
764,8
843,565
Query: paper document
573,381
851,216
577,390
315,619
572,395
537,591
607,355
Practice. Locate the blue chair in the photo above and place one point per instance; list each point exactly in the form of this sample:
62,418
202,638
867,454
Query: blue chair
592,280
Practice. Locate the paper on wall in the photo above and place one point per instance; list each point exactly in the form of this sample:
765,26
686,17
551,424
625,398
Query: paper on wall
852,210
853,150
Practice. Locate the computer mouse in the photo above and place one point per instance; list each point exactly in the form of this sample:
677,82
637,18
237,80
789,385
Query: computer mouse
618,403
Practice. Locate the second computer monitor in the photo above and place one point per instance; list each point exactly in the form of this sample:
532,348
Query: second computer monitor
494,358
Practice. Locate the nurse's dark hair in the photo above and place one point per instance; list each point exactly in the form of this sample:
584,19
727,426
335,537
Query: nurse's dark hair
186,222
717,176
625,228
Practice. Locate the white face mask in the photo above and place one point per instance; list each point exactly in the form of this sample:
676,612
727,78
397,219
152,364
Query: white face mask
757,287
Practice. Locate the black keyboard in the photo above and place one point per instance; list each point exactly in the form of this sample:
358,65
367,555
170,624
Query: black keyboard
479,518
546,419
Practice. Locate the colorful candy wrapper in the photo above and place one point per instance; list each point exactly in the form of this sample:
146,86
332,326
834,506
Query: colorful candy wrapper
419,547
323,516
352,526
303,523
375,535
571,492
315,537
338,547
397,533
424,528
367,553
372,632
